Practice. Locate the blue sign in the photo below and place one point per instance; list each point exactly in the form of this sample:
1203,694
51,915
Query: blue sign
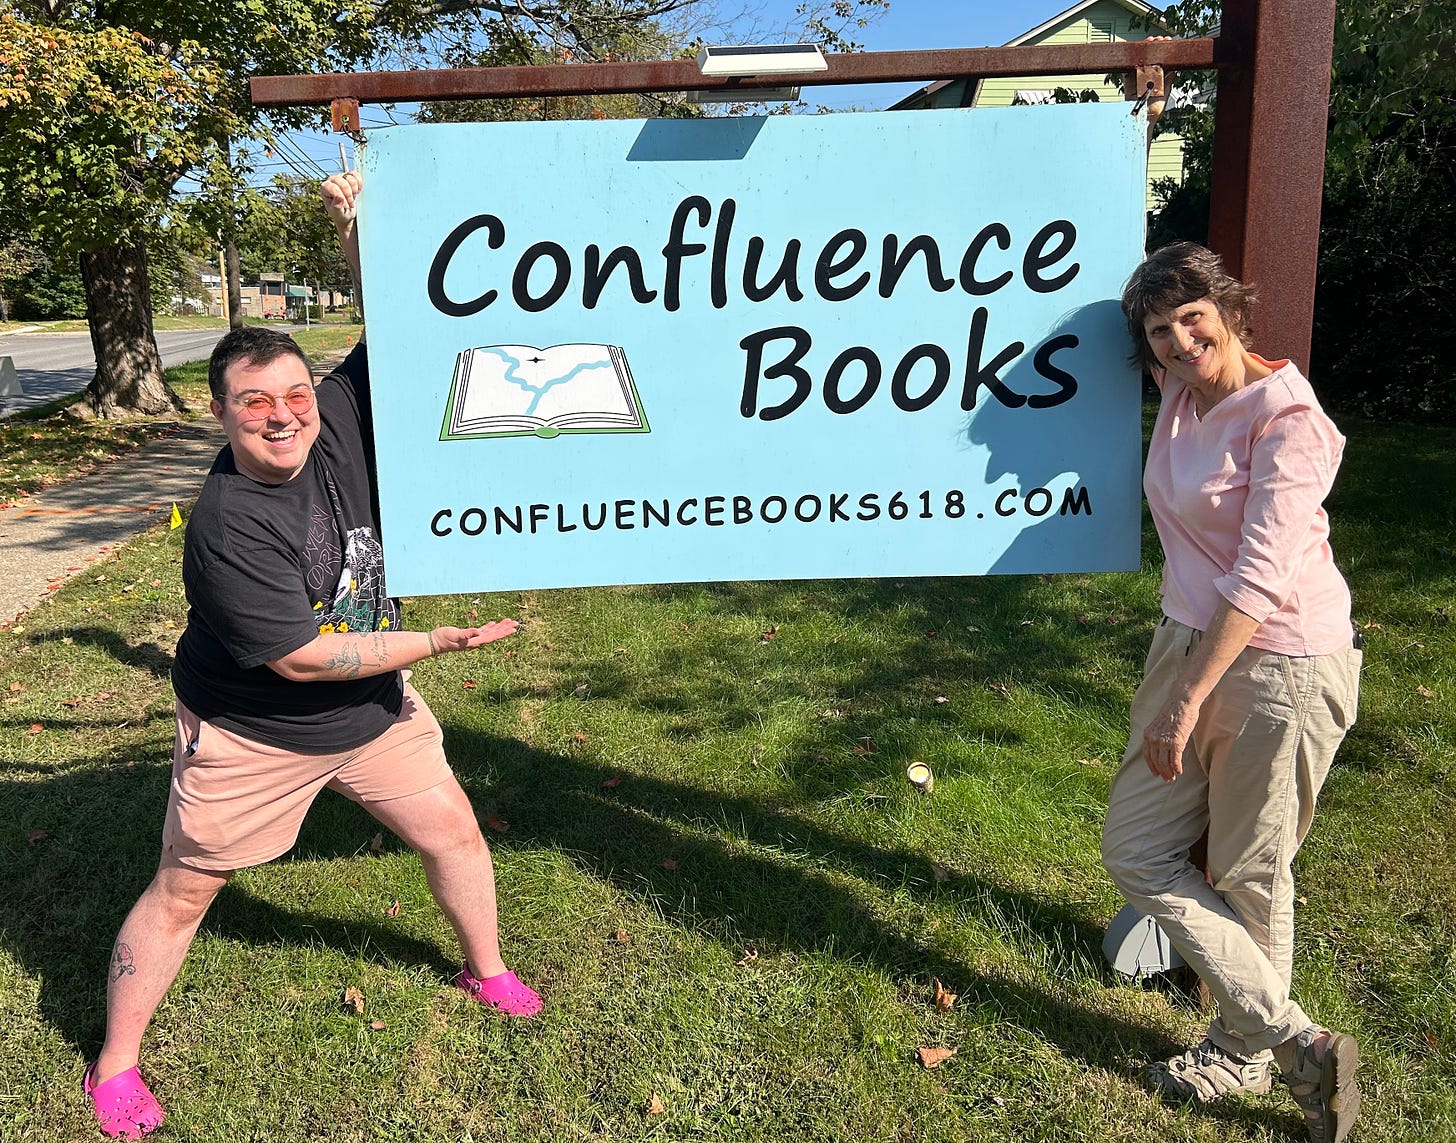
754,348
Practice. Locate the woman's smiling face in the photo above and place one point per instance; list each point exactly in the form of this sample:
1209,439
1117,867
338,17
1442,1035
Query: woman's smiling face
1195,345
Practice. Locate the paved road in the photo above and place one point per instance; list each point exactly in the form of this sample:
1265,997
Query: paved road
52,365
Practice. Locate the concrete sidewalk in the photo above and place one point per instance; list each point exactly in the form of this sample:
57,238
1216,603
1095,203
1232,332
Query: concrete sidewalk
56,533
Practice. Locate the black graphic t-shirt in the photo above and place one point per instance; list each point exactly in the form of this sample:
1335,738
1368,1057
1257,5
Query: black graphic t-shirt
267,567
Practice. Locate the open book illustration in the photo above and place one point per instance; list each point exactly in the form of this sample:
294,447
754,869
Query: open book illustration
520,390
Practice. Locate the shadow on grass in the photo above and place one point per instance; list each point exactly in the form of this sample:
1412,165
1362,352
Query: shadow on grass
153,658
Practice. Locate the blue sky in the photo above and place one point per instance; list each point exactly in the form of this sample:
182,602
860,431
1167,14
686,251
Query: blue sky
907,25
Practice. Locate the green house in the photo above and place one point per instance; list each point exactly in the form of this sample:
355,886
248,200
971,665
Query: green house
1090,22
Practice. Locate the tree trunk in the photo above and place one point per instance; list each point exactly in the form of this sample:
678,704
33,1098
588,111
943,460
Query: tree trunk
128,378
234,285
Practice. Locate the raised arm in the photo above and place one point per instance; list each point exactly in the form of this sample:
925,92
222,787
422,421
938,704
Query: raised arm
339,655
340,195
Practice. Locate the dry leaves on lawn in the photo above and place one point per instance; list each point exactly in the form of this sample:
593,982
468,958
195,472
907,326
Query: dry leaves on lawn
931,1058
376,844
944,998
393,910
655,1105
500,825
669,863
354,999
612,783
620,936
749,956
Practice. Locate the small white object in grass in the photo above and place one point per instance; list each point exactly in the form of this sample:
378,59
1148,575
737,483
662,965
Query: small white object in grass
921,776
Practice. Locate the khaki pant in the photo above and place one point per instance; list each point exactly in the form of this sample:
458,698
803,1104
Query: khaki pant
1258,757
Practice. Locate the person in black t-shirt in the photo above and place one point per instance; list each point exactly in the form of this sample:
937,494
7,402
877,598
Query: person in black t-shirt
291,676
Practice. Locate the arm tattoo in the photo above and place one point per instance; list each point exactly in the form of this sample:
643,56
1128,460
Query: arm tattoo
379,645
345,662
121,962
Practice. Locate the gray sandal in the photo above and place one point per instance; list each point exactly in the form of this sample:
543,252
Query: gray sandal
1207,1073
1325,1088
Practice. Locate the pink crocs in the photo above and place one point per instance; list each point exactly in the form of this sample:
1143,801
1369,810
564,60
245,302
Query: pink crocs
125,1107
503,992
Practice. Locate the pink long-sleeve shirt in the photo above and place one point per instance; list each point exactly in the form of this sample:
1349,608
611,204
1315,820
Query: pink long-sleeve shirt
1237,500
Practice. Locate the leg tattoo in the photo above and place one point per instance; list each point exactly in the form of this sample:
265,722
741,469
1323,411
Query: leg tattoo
121,962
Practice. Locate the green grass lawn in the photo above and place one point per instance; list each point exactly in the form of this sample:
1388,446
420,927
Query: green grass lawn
712,866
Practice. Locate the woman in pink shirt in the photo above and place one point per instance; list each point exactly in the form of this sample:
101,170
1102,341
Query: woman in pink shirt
1249,687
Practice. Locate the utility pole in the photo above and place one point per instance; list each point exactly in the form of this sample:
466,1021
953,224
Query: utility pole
223,283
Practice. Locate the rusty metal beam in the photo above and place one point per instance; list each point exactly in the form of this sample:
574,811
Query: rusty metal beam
1268,159
683,75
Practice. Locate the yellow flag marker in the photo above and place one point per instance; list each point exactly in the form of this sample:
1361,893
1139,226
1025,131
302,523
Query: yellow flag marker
176,517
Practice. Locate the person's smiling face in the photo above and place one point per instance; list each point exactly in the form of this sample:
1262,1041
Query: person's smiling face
270,442
1195,345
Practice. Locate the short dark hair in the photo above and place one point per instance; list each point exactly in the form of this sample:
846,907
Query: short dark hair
1175,275
254,344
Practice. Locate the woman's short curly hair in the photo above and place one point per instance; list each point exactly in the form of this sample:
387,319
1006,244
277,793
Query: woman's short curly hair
1175,275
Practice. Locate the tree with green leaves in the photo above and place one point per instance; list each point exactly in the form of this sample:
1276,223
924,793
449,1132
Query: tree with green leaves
105,107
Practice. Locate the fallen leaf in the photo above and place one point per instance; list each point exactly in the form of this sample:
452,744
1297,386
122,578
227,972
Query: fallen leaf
354,999
654,1105
155,582
1432,1043
393,910
929,634
769,634
36,835
749,956
500,825
509,655
939,871
931,1058
865,745
1089,761
620,936
16,687
376,1025
940,699
669,863
102,696
579,736
612,783
1302,900
473,613
35,728
583,691
75,702
944,998
376,843
468,685
1373,626
1425,691
1000,688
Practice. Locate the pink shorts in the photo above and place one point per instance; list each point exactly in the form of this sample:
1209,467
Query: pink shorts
236,802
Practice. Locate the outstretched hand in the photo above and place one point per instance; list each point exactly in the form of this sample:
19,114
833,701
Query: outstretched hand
340,194
466,638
